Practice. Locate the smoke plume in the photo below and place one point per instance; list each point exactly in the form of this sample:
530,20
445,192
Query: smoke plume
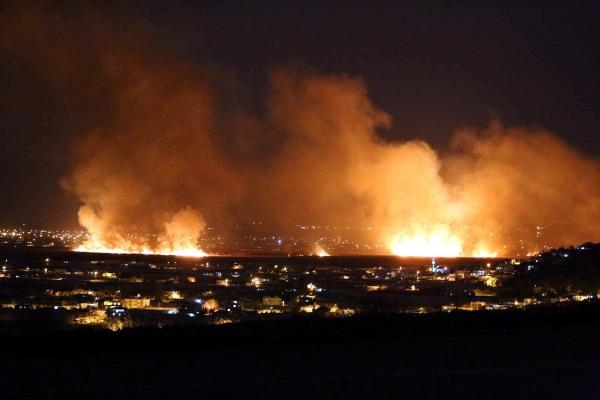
160,156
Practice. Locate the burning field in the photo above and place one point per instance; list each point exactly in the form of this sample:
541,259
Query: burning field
172,151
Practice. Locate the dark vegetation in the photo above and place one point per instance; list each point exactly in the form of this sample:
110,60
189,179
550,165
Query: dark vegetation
558,273
312,330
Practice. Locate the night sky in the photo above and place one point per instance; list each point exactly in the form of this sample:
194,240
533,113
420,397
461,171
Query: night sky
434,68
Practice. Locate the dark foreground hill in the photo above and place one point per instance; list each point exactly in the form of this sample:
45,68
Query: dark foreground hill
548,352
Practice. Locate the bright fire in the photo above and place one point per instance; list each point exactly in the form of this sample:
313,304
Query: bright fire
483,253
321,252
132,249
179,238
438,243
426,246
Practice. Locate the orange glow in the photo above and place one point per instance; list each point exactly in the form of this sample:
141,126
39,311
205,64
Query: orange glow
437,242
313,149
321,252
180,236
484,253
133,249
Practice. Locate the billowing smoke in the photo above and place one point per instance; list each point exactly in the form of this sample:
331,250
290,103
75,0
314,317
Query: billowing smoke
148,164
515,184
167,157
492,191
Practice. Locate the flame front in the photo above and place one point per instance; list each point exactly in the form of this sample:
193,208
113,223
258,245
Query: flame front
484,253
180,236
321,252
438,242
130,247
426,245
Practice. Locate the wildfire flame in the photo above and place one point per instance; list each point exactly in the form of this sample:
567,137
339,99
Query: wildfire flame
438,243
168,142
180,236
321,252
132,249
426,246
483,253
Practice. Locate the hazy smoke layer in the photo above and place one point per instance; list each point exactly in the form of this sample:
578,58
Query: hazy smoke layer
160,154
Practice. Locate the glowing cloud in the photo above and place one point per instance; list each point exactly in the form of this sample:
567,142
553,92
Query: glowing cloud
168,154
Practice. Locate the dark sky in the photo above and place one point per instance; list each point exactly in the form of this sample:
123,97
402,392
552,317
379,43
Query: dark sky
434,68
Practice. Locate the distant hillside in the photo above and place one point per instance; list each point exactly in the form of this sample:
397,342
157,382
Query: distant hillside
562,272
